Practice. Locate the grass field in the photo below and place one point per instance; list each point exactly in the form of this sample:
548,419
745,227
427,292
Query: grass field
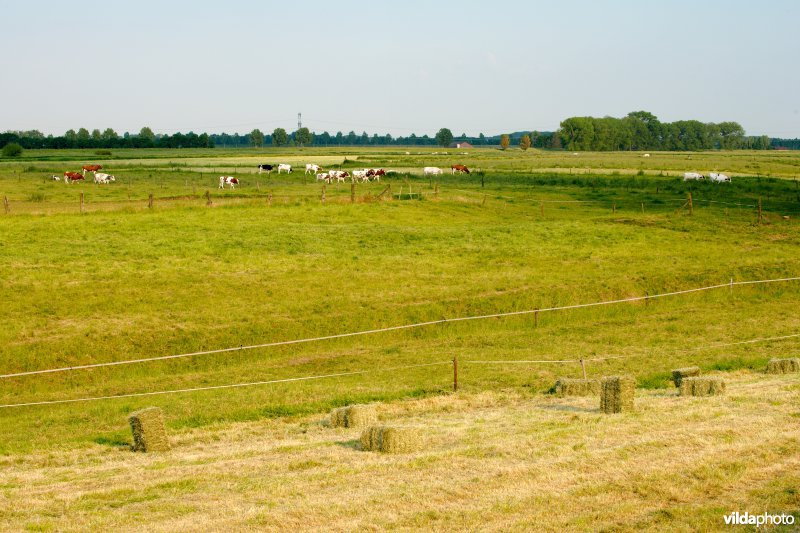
270,261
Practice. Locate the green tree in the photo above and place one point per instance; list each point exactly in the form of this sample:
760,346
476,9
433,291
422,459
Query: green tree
257,138
444,137
70,135
109,134
280,137
83,134
505,140
12,150
147,134
303,136
96,135
525,142
731,135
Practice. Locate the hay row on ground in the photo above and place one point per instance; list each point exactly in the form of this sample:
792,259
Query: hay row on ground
704,386
354,416
149,434
391,439
687,372
577,387
617,394
783,366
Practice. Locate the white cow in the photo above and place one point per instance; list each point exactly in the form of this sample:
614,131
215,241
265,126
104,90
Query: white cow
431,171
360,175
105,179
324,176
284,166
719,178
645,155
55,178
692,176
230,180
311,168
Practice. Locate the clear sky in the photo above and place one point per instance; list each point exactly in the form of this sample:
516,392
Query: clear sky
395,67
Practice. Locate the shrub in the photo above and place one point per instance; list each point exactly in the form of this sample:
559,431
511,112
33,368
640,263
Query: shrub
12,150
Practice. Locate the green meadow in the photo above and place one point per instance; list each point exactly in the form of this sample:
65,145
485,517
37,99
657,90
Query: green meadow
271,261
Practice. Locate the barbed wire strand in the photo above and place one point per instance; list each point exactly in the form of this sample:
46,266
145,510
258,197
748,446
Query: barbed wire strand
393,328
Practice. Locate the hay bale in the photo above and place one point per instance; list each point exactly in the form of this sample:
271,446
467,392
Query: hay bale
783,366
354,416
704,386
391,439
148,430
338,417
577,387
688,372
617,394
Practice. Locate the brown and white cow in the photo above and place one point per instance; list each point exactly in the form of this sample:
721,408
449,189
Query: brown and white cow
91,168
459,168
70,177
230,180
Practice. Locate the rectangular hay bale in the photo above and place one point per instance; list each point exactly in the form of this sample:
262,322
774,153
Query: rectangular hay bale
704,386
354,416
577,387
617,394
149,434
783,366
391,439
687,372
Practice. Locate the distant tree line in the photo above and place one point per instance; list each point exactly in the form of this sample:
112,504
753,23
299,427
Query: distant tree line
641,130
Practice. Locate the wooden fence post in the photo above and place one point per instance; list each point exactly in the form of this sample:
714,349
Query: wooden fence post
5,204
583,367
455,373
269,199
436,191
643,208
208,198
150,201
322,198
760,212
691,206
614,207
481,181
536,317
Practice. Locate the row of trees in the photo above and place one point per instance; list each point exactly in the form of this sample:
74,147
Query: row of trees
641,130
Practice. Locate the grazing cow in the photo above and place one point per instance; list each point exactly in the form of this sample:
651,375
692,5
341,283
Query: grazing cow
460,168
340,175
692,176
230,180
719,178
268,168
102,178
645,155
311,168
360,175
91,168
431,171
55,178
324,176
285,167
70,177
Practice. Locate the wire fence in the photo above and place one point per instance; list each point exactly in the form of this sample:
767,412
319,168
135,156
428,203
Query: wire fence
581,361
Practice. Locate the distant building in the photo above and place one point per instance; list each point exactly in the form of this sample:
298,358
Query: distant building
460,144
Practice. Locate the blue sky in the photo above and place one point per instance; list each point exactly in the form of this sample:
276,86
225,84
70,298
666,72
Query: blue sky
395,67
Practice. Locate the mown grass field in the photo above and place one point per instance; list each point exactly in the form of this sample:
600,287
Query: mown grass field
270,261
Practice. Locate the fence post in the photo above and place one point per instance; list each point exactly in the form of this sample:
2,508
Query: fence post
643,208
646,298
455,373
322,198
691,206
269,199
536,317
436,191
81,202
583,367
5,204
208,198
614,207
150,201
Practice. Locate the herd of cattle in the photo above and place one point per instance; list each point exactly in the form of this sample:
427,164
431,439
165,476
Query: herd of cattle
356,176
362,175
712,176
99,177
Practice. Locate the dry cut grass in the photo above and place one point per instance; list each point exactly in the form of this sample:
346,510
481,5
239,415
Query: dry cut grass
499,460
